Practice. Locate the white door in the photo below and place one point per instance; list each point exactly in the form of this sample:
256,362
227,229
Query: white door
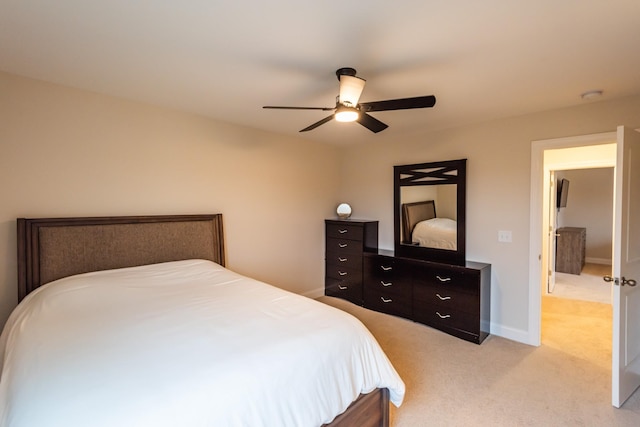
626,268
553,226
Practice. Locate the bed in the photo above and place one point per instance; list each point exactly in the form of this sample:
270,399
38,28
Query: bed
137,321
422,227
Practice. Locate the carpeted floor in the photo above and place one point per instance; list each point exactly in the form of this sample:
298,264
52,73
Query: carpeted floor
586,286
450,382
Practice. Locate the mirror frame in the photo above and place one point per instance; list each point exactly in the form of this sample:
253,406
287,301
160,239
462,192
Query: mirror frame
445,172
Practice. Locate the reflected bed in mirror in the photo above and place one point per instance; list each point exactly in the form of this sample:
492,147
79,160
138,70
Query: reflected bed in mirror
422,227
430,211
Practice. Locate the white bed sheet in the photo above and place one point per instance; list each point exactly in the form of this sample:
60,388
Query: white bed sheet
185,343
436,233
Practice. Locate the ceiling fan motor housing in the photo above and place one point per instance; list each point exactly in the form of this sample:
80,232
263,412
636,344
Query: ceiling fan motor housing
345,71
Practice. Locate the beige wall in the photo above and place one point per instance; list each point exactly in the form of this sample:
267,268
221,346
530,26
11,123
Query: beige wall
498,188
65,152
590,205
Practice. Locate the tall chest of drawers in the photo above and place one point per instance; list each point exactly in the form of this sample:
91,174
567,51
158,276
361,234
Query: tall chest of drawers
346,241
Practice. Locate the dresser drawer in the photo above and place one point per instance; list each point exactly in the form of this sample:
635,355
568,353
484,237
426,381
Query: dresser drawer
386,268
443,318
345,231
343,246
387,302
343,272
349,288
351,261
384,275
447,297
450,280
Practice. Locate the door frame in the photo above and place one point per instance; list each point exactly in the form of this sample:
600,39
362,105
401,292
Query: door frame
549,271
539,215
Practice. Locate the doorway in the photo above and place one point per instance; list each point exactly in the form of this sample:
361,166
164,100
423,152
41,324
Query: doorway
626,250
582,152
581,227
572,298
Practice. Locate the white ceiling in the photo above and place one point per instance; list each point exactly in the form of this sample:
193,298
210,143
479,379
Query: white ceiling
226,59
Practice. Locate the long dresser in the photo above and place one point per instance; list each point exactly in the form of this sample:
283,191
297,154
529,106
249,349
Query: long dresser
452,298
455,299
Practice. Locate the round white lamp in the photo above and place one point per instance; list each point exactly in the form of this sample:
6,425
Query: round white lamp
343,211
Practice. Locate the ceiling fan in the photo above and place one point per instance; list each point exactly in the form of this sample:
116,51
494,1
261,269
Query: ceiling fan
347,108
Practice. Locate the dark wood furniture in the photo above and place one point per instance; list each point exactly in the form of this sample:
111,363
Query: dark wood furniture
346,242
421,182
452,298
570,249
438,286
52,248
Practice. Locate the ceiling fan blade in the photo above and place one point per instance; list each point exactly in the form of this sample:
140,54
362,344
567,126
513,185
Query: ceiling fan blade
399,104
316,124
371,123
299,108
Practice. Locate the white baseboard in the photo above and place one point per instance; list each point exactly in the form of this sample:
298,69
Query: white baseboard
512,334
603,261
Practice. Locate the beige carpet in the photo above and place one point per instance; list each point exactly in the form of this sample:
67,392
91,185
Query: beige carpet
450,382
586,286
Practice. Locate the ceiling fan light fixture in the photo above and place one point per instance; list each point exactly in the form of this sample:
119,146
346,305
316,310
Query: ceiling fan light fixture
350,90
346,114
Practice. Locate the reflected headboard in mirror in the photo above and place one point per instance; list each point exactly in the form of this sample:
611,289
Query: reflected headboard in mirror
430,211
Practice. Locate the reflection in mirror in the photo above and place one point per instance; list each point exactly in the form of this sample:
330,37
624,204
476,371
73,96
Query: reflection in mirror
429,216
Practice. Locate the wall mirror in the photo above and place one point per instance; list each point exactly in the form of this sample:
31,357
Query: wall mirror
430,211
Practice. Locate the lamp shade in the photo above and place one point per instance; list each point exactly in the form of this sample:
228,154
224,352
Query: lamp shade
350,90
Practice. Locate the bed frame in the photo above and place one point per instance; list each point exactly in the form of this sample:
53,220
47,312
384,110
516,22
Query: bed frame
53,248
413,213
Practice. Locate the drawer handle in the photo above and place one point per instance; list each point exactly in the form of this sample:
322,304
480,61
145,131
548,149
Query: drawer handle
446,316
342,245
386,300
385,268
342,288
342,231
443,279
442,298
341,259
386,283
342,273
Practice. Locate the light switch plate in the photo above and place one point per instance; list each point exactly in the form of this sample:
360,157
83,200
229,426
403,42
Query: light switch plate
504,236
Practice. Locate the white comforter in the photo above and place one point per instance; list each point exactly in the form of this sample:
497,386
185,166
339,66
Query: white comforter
186,343
436,233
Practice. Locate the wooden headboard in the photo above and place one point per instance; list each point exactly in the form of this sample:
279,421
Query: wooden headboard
413,213
53,248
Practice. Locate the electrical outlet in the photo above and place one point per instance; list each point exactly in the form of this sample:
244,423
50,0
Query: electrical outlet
504,236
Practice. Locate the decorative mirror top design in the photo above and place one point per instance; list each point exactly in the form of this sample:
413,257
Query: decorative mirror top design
430,211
